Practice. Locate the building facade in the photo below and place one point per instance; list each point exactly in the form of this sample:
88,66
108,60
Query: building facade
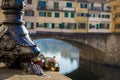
100,17
30,15
81,15
115,6
56,15
1,14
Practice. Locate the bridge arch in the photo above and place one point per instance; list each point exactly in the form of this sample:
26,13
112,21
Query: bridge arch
100,48
86,52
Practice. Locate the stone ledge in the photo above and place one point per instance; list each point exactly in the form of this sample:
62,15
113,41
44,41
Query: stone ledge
48,76
12,74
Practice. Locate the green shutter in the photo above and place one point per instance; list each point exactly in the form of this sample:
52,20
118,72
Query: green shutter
56,5
37,24
103,16
72,14
44,13
45,25
108,16
69,5
102,6
57,15
49,14
108,25
68,25
62,26
53,25
66,14
97,26
91,25
75,26
99,16
100,26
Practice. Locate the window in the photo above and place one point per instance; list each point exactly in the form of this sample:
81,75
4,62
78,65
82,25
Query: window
83,5
29,1
91,26
48,25
29,25
108,26
89,15
62,25
42,14
78,14
66,14
104,25
118,15
97,26
29,13
103,16
107,16
81,25
71,25
99,16
39,25
57,15
117,26
93,15
56,25
72,14
66,25
83,15
69,5
49,14
42,5
56,5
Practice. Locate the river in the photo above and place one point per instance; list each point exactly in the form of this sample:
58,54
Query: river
71,65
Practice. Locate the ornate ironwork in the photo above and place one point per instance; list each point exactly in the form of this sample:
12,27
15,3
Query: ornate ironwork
14,37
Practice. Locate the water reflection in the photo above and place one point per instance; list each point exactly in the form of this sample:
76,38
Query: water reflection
65,53
74,67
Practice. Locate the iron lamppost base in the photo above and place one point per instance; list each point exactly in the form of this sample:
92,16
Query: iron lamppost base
15,44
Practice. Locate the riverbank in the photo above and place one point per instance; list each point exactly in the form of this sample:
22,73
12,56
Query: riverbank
13,74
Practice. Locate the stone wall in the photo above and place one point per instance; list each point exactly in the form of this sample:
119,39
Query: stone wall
99,47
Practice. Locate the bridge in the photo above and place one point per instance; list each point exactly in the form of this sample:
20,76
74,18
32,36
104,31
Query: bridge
99,47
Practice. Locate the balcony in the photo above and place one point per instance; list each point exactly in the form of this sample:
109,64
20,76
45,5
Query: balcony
41,8
100,9
68,9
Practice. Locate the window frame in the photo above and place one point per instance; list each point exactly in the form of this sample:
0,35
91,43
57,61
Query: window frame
29,1
57,14
69,4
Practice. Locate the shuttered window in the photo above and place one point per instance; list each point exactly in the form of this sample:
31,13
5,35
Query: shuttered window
57,15
69,5
72,14
29,25
66,14
56,5
29,1
29,13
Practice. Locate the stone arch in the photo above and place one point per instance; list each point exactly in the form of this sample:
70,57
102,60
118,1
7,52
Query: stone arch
86,52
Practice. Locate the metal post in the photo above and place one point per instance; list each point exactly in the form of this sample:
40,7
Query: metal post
15,42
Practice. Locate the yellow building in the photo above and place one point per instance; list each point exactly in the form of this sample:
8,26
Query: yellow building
81,15
1,14
56,15
117,19
115,6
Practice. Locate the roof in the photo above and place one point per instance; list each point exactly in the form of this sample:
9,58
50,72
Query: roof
82,0
100,1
